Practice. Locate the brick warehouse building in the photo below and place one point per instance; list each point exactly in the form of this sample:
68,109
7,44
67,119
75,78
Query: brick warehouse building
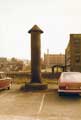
54,59
73,53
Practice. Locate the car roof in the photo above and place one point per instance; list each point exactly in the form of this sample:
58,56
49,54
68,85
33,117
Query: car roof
70,73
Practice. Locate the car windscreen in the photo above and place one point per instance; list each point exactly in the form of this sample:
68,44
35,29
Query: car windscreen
2,75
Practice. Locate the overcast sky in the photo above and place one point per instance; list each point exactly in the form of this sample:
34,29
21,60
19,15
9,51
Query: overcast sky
57,18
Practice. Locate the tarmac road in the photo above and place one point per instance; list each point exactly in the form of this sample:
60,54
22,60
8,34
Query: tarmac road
44,105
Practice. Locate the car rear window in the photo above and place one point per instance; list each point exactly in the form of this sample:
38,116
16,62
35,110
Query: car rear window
72,76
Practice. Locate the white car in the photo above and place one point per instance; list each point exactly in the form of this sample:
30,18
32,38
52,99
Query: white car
69,82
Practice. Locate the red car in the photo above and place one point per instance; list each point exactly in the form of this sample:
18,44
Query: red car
69,82
5,82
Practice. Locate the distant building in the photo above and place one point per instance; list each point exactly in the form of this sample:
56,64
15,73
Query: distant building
73,53
54,59
15,64
27,65
10,65
3,64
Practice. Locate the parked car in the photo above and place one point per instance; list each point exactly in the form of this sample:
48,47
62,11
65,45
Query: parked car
69,82
5,82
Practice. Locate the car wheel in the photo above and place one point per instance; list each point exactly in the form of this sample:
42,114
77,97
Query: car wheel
9,87
60,94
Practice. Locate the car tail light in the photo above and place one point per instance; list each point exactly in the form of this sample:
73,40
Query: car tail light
62,87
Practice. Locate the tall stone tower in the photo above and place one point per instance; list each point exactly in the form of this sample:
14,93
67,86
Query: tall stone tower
36,83
35,32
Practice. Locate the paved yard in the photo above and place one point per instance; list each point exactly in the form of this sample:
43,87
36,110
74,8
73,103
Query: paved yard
44,105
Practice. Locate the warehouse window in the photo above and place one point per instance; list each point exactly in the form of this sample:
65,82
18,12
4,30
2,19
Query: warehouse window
77,59
77,50
77,41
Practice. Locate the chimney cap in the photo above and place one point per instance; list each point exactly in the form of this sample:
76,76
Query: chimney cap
35,28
